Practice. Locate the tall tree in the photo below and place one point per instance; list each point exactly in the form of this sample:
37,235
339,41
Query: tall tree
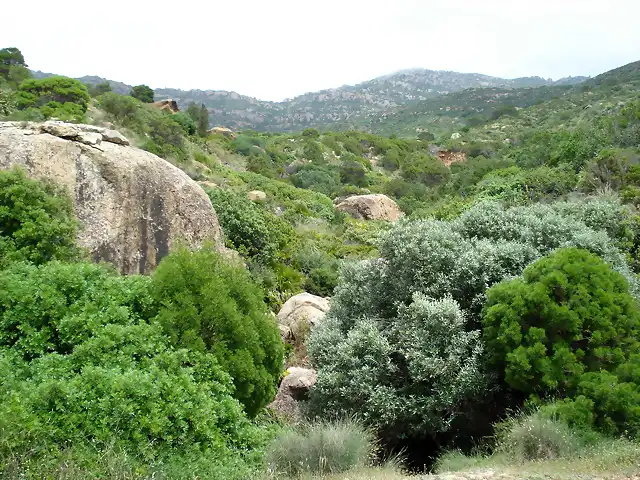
12,66
200,115
10,57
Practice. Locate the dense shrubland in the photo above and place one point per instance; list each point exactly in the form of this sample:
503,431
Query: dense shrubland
165,373
511,286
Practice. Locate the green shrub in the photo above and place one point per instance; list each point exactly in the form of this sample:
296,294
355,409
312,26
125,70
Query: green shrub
536,437
37,222
186,122
163,134
569,314
142,93
424,297
404,376
320,449
54,94
250,229
424,169
208,305
53,307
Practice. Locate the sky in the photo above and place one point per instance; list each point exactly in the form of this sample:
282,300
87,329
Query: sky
281,48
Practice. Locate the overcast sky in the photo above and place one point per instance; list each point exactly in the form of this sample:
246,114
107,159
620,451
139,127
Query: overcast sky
281,48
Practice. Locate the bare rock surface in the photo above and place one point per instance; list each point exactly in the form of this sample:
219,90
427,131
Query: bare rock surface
301,310
133,206
294,388
371,207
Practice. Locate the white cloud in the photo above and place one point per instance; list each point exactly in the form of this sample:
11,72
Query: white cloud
282,48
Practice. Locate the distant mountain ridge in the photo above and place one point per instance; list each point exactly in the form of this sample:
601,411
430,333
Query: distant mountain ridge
341,107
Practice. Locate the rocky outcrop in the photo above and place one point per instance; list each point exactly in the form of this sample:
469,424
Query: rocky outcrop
133,206
169,106
302,311
294,387
257,196
225,132
371,207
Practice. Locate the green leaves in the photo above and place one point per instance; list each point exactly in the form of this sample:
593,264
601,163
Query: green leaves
142,93
62,96
209,306
37,223
560,328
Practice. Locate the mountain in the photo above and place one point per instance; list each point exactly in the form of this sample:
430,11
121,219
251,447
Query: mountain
345,107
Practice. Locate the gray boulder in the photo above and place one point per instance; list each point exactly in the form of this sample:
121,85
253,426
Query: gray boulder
133,206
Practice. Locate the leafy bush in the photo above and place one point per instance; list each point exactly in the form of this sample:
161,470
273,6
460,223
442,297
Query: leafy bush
164,135
320,449
81,366
53,307
207,305
142,93
37,222
400,343
250,229
404,376
60,96
569,314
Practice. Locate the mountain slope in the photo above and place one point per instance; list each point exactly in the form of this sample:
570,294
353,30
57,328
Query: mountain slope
342,107
345,107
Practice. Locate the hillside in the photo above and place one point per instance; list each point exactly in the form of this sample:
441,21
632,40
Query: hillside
337,108
492,333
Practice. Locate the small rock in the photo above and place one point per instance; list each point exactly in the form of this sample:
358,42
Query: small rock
89,138
294,387
62,130
257,196
286,334
455,136
112,136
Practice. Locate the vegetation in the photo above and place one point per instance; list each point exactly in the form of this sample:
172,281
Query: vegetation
142,93
320,449
97,366
511,285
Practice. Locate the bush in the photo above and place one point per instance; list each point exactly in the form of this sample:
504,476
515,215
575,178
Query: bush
404,376
252,231
54,93
53,307
209,306
79,365
424,298
37,222
535,437
142,93
569,314
164,134
320,449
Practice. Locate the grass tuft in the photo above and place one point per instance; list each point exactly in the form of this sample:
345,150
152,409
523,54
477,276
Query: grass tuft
320,449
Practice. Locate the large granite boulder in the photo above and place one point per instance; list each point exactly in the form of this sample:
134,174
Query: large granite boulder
371,207
302,311
133,206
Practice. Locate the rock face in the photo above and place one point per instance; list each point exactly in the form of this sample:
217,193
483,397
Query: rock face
302,309
133,206
294,387
170,106
371,207
223,131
